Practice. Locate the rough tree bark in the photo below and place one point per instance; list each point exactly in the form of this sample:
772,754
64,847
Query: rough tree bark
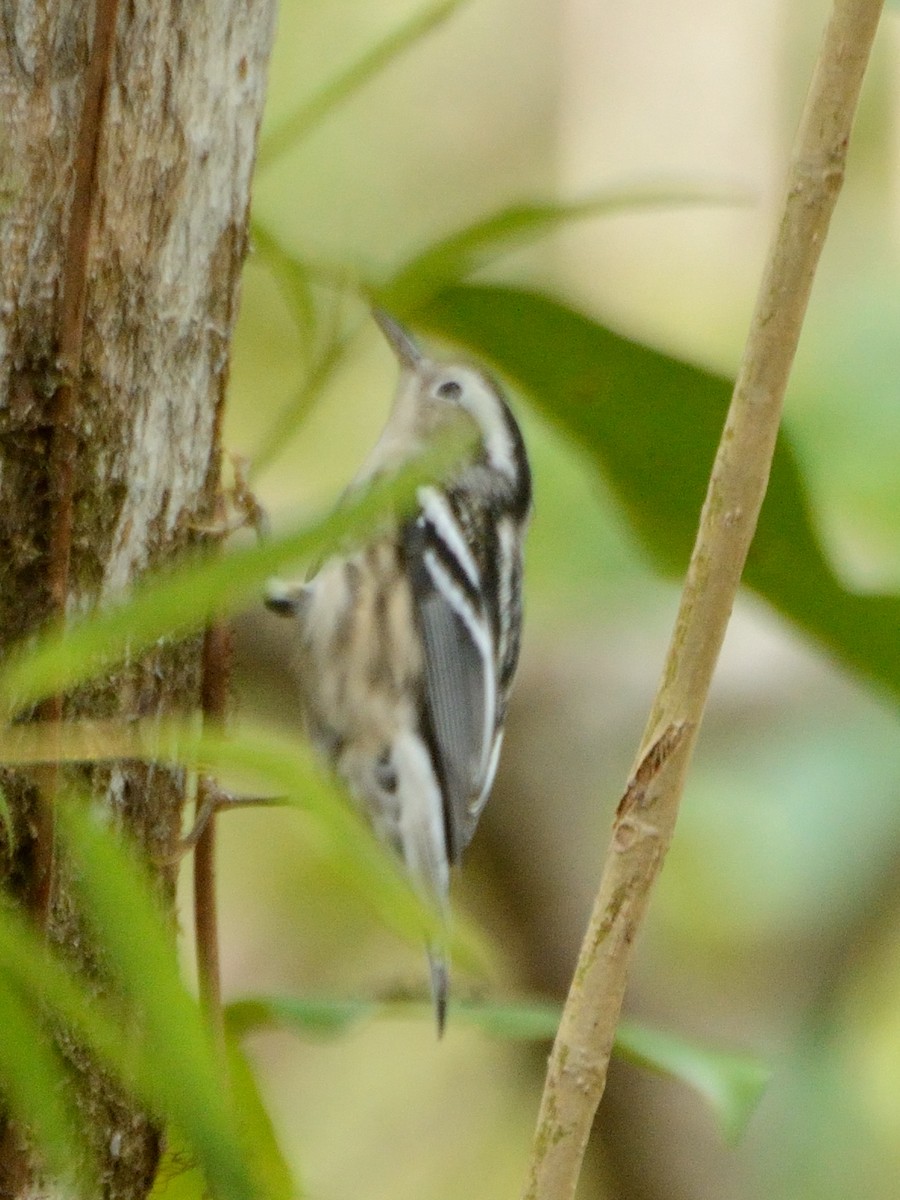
131,450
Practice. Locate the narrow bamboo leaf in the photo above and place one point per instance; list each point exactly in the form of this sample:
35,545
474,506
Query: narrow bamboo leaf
37,974
524,1021
140,953
450,260
288,768
329,1017
651,424
180,1178
264,763
257,1132
310,1017
292,415
290,273
294,127
732,1084
127,1052
189,596
331,343
35,1086
458,255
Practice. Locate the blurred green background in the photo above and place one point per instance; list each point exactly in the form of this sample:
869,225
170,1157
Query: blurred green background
776,926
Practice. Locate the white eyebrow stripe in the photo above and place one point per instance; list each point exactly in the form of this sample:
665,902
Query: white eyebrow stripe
486,408
436,509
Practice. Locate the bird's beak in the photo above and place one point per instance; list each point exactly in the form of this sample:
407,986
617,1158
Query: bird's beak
398,339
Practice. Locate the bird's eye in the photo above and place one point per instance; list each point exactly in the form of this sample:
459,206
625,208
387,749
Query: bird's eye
450,389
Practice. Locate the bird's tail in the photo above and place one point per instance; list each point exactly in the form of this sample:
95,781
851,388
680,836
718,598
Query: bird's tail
424,845
439,962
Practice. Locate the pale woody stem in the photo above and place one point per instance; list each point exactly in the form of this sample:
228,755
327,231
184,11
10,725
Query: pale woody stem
646,817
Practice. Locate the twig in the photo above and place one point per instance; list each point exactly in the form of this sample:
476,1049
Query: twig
214,700
645,821
61,479
213,804
61,466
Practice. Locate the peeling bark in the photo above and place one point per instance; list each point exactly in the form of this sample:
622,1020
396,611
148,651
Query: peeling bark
181,102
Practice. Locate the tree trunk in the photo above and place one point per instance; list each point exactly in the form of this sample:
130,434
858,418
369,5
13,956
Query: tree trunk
124,186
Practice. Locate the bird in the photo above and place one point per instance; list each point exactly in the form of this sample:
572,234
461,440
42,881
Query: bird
405,647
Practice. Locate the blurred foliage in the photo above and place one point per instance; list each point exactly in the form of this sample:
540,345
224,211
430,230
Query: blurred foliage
293,127
652,424
37,1091
154,1039
186,598
774,924
732,1083
478,245
278,771
790,822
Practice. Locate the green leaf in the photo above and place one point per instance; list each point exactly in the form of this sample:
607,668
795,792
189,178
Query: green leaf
34,1084
524,1021
163,1051
186,598
298,124
188,1081
450,260
327,1018
651,424
291,275
180,1178
289,419
288,767
294,276
24,959
460,254
258,1133
732,1084
264,762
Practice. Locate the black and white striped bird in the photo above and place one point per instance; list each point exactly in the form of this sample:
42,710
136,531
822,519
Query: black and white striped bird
407,646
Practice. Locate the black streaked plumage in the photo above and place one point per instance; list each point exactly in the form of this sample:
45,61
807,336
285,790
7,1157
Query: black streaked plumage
407,648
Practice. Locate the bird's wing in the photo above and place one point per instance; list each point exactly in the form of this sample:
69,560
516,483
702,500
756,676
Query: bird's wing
460,703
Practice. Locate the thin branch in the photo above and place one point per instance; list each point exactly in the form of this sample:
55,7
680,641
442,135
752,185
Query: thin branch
644,824
214,700
73,301
63,450
14,1157
214,803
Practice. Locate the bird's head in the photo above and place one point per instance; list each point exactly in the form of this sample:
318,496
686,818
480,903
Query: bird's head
434,396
